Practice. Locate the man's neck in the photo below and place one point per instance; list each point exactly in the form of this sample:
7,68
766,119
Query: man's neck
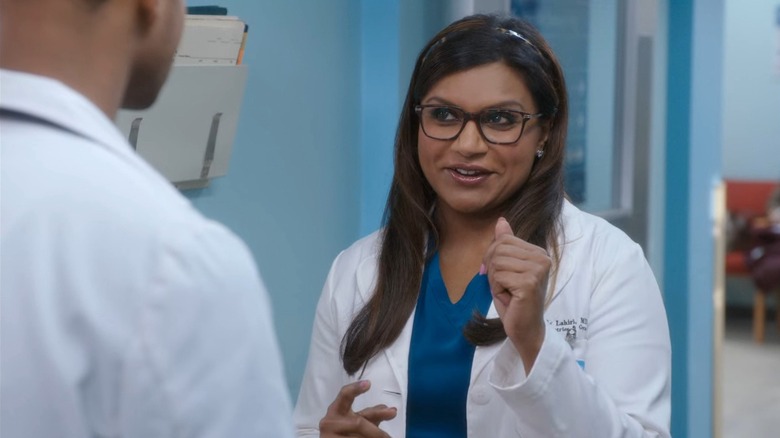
42,43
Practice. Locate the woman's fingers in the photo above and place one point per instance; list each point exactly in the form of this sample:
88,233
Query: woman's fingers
342,405
350,426
508,255
517,272
506,243
341,421
377,414
503,228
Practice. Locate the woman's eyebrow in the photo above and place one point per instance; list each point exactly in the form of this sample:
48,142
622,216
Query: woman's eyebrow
439,100
508,104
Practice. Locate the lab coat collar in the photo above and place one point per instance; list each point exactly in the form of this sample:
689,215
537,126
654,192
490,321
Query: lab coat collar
50,100
570,222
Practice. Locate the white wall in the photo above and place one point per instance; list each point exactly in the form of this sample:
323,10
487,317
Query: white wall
751,85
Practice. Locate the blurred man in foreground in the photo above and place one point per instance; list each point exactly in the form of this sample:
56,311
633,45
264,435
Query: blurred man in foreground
124,311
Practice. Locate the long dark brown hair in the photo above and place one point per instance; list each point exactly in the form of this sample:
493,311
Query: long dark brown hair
533,211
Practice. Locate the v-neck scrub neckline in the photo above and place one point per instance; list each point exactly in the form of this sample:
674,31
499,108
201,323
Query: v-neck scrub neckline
440,356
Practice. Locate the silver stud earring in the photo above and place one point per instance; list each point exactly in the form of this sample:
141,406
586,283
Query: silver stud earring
539,153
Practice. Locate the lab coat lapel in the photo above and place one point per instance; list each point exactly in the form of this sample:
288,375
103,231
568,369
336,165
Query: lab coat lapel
397,353
566,267
484,355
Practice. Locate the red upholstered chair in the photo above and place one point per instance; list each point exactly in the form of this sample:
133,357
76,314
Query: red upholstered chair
746,202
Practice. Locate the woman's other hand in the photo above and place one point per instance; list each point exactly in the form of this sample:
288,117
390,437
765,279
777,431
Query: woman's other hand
342,421
518,272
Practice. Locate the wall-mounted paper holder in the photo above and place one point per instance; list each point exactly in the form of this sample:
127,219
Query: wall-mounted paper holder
187,135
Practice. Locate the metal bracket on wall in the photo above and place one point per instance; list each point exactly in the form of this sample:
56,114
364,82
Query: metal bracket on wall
208,156
134,128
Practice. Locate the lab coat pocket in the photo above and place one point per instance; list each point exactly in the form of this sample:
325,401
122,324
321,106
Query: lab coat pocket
378,395
384,390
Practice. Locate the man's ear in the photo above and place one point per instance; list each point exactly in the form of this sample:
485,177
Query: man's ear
148,12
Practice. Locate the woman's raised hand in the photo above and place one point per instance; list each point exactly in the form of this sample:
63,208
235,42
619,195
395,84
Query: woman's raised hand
342,421
518,272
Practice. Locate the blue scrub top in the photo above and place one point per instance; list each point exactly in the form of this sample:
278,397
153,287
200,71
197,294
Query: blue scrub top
440,357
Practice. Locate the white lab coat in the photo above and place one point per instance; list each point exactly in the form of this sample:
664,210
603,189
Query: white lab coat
607,313
125,313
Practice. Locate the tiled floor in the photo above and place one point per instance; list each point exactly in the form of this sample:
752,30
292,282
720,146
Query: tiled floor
751,379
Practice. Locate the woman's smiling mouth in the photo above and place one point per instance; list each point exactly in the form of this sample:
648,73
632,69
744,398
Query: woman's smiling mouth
468,175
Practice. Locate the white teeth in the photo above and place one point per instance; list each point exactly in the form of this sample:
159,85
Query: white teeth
466,172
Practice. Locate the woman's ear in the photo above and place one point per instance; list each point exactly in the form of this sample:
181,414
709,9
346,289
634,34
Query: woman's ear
546,128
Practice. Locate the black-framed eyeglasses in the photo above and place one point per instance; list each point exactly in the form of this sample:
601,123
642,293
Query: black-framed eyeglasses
497,126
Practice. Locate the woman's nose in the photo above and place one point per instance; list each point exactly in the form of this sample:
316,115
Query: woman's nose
470,141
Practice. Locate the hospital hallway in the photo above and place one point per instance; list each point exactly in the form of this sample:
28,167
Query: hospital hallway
751,377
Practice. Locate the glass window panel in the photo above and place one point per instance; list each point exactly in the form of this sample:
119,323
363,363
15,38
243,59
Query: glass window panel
584,35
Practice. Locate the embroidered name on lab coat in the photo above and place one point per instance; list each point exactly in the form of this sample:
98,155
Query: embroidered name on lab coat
572,328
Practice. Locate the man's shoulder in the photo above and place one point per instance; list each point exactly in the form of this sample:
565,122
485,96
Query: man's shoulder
73,175
97,195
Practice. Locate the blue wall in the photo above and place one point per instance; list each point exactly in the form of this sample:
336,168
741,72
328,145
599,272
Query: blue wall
292,190
751,84
694,99
381,99
393,33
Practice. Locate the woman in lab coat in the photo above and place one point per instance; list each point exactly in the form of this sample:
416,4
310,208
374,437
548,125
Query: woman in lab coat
487,305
